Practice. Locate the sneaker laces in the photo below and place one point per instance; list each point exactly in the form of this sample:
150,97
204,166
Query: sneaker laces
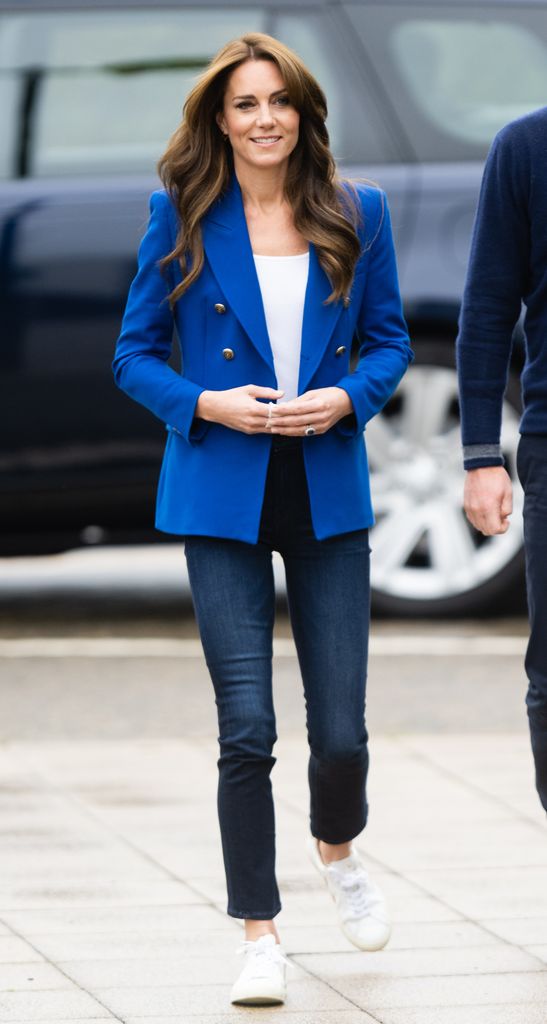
270,952
356,886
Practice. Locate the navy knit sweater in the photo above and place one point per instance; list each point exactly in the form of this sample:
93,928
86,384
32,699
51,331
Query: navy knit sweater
507,267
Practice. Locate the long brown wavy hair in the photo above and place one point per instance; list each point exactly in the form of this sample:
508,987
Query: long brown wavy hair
197,164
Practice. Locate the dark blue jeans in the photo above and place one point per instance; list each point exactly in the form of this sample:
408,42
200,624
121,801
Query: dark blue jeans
328,596
532,471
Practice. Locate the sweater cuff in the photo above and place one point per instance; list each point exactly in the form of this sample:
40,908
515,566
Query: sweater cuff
475,456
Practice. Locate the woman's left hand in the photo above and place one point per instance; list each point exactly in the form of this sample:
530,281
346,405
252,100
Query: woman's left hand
321,409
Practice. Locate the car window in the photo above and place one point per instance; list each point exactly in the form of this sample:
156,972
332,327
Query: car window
357,132
106,90
456,74
100,93
8,125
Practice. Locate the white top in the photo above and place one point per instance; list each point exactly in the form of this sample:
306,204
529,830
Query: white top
283,281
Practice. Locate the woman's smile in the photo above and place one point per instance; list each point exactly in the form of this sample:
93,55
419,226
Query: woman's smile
266,140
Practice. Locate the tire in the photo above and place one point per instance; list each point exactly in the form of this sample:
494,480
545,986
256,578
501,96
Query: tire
427,560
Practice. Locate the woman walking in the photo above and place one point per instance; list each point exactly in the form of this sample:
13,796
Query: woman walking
268,264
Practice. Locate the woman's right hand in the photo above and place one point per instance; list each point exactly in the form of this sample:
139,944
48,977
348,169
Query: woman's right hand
237,408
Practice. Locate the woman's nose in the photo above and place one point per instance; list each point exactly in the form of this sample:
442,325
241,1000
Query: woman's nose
265,116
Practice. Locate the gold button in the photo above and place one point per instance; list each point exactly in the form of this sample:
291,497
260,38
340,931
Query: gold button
220,307
340,350
228,353
347,301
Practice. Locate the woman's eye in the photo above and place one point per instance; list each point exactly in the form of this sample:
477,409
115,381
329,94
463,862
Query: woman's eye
283,101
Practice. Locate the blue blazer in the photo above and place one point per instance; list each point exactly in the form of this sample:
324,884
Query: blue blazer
212,477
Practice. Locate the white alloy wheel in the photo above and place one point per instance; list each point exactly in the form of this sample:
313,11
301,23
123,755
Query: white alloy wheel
425,554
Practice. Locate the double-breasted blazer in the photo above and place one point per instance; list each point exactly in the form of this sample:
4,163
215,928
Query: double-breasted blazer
212,477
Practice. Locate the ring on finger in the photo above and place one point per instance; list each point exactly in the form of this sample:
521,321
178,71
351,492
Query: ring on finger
309,430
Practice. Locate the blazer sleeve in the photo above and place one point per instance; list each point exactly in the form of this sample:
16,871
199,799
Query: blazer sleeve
384,352
145,341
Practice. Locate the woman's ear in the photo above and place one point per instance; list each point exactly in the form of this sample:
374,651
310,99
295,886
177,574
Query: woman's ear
221,121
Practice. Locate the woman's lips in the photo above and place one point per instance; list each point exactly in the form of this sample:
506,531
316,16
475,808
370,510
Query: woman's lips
269,140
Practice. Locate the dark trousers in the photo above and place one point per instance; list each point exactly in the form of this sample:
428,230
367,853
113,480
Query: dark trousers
234,599
532,470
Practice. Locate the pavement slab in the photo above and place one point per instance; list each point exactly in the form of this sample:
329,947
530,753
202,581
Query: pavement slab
38,1006
416,935
267,1016
378,992
488,893
15,950
113,895
500,1013
539,951
166,971
416,963
521,931
305,995
142,942
32,976
188,919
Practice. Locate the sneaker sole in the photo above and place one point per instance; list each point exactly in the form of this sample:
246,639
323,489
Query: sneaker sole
257,1001
257,997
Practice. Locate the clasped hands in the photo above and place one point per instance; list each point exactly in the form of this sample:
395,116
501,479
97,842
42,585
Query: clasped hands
320,408
240,409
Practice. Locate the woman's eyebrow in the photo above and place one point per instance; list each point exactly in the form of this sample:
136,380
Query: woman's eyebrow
250,96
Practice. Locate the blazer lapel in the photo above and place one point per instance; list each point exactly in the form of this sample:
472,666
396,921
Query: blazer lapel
319,321
228,249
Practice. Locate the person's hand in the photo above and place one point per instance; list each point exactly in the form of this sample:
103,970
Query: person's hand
488,499
321,409
238,408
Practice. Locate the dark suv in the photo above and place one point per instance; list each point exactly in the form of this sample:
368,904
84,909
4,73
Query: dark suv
89,94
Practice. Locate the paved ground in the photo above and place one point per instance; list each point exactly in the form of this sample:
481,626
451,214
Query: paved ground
112,892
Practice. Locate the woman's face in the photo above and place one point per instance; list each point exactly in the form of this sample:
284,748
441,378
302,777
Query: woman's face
261,123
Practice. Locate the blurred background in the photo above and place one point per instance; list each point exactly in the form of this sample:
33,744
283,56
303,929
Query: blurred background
89,94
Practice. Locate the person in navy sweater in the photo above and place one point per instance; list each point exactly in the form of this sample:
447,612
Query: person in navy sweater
508,267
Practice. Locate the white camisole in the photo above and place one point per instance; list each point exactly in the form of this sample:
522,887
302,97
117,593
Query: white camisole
283,281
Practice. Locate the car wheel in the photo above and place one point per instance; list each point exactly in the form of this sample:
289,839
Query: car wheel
426,557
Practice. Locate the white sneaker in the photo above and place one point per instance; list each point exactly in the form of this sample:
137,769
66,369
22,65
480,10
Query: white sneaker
262,979
361,908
